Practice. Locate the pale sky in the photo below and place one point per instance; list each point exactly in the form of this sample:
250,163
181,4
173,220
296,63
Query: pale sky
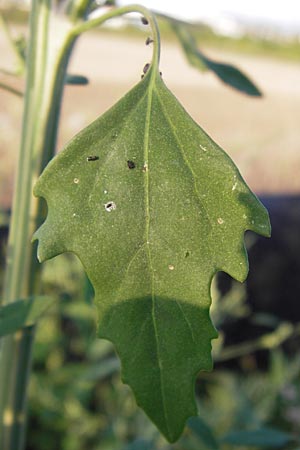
285,12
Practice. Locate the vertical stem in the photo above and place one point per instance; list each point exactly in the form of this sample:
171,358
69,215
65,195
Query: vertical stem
46,67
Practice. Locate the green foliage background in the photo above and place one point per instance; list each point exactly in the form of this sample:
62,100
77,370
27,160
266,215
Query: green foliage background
78,402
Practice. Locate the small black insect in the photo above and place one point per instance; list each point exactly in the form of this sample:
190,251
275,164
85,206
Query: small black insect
146,68
130,164
149,40
92,158
144,21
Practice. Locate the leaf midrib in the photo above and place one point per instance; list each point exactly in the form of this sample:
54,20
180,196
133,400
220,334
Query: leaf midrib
151,89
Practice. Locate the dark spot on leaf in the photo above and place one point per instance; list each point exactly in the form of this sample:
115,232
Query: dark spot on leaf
187,254
110,206
144,21
92,158
130,164
149,40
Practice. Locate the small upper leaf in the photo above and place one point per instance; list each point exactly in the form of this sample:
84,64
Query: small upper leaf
226,72
77,80
153,208
23,313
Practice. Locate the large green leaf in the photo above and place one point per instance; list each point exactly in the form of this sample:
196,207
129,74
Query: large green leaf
153,208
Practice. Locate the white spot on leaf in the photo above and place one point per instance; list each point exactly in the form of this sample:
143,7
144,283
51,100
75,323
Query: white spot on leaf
171,267
76,180
220,220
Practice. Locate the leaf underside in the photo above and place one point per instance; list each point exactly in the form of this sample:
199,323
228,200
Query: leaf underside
153,208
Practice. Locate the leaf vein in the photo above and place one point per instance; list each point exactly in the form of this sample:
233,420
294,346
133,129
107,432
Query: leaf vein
147,205
185,158
140,333
133,258
101,170
187,322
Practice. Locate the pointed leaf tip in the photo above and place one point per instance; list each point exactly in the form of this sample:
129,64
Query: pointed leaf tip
227,73
151,235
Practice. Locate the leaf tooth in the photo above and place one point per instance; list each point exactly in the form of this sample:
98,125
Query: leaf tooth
260,222
238,267
49,243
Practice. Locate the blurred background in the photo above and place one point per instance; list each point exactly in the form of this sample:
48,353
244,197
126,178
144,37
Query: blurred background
252,398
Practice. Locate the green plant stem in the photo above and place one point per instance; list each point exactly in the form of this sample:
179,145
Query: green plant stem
77,9
46,66
46,69
268,341
93,23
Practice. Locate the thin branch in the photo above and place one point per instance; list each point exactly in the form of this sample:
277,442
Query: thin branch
116,12
11,89
266,342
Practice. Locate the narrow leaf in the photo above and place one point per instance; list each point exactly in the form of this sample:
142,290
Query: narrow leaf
22,313
203,432
225,72
104,369
76,80
17,45
153,208
263,437
139,444
11,89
